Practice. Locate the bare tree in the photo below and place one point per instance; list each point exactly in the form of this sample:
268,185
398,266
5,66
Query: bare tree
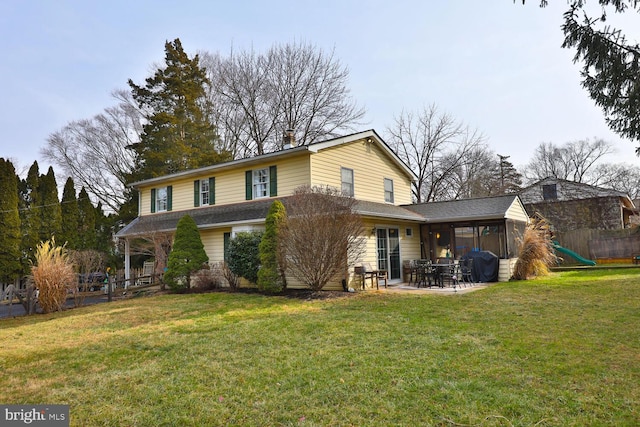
435,146
479,177
572,161
94,151
293,86
86,263
309,87
620,177
322,235
231,108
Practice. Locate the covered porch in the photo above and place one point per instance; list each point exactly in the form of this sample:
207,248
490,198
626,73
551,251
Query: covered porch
469,228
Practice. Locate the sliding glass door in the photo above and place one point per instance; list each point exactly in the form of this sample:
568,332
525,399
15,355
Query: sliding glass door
388,247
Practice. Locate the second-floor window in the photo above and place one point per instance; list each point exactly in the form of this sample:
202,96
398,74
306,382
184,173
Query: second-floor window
161,199
204,192
346,176
388,190
260,183
549,192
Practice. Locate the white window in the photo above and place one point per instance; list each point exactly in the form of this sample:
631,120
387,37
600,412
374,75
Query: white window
261,183
204,192
388,190
161,199
347,181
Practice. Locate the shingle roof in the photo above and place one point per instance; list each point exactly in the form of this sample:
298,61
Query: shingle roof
465,209
247,212
285,153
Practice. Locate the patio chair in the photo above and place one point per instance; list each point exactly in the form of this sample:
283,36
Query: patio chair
466,265
366,271
446,272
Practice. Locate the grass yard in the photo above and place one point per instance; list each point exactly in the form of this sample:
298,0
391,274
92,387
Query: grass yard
561,351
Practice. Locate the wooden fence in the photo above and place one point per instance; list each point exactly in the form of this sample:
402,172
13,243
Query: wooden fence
602,245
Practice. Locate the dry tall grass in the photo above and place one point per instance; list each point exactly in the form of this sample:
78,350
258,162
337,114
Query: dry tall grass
536,251
52,275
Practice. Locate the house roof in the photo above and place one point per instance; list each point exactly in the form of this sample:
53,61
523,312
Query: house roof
467,209
252,212
368,135
580,191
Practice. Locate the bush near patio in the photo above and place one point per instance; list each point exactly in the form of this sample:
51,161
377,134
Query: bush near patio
536,253
557,351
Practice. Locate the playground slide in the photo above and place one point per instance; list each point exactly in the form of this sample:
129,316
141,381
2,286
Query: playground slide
572,254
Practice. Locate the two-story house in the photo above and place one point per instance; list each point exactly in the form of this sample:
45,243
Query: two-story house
227,198
235,196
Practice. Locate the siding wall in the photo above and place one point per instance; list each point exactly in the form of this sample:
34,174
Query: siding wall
517,212
230,184
213,241
370,166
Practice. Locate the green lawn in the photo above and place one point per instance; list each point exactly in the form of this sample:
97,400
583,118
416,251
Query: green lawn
560,351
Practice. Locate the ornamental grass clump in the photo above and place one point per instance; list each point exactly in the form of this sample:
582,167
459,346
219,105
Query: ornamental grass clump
536,251
53,275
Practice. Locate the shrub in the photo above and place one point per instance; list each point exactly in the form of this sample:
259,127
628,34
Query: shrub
206,279
187,255
53,275
322,236
269,277
536,251
86,262
244,257
232,279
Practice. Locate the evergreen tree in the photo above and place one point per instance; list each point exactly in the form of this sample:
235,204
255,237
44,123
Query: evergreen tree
269,276
104,227
48,207
70,216
86,222
510,178
178,134
10,237
187,254
30,217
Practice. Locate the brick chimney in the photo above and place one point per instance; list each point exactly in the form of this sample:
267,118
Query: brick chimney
288,139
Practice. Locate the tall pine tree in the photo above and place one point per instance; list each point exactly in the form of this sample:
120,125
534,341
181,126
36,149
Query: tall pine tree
178,134
70,216
87,221
30,217
10,267
104,230
49,207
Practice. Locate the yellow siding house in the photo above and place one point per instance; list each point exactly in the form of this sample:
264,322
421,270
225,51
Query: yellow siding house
235,196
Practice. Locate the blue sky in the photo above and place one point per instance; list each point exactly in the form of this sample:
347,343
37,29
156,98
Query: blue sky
495,65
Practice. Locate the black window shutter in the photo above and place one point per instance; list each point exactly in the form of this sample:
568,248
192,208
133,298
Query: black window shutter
212,191
196,193
248,178
153,200
273,181
169,196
